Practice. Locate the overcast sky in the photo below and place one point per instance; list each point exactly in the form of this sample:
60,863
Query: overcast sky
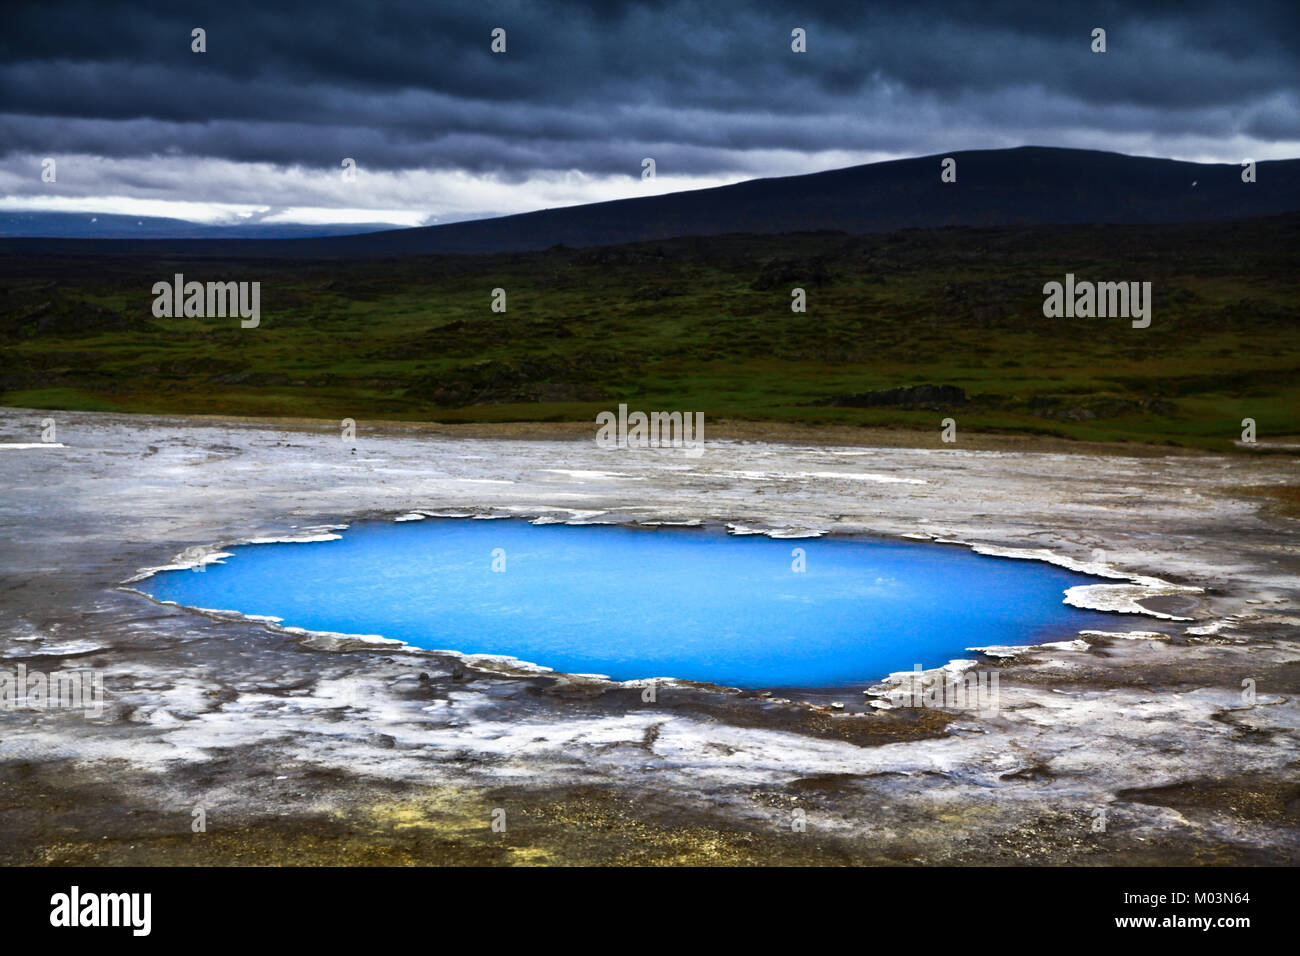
443,129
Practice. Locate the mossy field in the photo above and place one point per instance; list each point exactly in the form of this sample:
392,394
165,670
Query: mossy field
698,324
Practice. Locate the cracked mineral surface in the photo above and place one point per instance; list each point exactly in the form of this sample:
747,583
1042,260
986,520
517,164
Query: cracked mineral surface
1173,742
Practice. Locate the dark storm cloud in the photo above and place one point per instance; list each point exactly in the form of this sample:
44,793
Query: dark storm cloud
710,88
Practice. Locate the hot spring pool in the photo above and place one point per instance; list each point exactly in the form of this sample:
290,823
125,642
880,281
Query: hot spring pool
628,603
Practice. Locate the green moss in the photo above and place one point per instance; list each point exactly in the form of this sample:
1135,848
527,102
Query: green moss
685,325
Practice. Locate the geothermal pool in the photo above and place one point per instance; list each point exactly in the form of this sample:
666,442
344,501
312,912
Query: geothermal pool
632,603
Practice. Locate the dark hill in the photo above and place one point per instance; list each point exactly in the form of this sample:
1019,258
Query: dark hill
1028,185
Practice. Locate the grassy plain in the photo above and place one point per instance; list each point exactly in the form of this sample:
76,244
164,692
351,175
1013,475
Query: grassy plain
697,325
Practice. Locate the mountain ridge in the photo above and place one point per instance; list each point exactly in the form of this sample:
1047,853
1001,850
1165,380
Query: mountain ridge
1026,185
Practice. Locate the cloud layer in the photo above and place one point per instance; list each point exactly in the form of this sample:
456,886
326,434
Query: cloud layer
441,128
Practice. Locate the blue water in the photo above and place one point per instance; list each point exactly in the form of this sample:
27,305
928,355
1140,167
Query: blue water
693,604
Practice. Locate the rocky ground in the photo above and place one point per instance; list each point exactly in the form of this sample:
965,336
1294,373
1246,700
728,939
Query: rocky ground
1174,743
